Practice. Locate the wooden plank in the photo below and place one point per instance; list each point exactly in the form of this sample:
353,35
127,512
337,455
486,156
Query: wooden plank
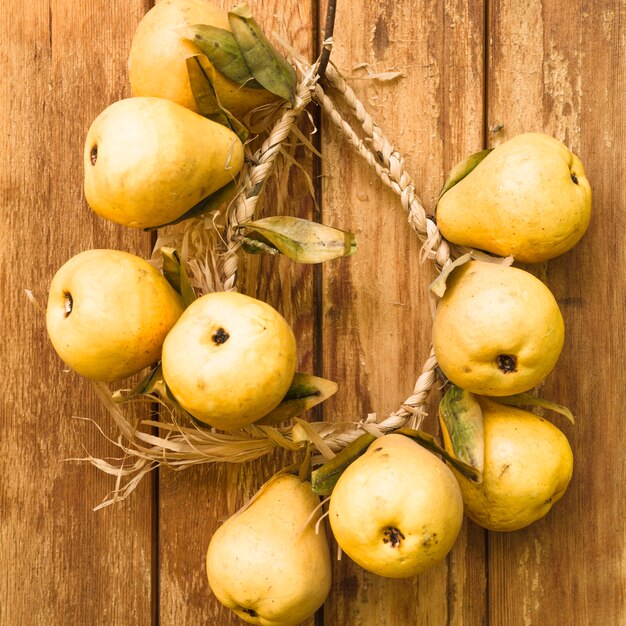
377,323
560,69
194,503
551,67
61,562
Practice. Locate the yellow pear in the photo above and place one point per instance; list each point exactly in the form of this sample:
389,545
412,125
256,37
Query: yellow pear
158,51
269,563
148,161
229,360
498,330
108,313
528,198
528,466
397,510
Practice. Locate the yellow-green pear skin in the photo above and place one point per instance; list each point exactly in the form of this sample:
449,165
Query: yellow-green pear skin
397,509
269,564
230,359
109,312
529,198
498,330
147,161
158,52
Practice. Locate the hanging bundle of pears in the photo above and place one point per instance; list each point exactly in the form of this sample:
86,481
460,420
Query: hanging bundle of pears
175,150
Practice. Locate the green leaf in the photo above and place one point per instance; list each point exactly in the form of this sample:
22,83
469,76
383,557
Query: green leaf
206,205
176,274
527,399
305,392
324,479
201,79
203,90
462,169
461,420
430,443
269,67
300,240
220,47
256,246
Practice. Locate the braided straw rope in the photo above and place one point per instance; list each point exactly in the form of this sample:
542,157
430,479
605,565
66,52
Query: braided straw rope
254,178
388,164
392,172
178,445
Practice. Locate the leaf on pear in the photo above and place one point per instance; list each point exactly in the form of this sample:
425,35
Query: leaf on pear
527,399
305,392
324,478
430,443
220,47
202,89
298,239
462,169
462,425
438,286
266,64
176,275
201,80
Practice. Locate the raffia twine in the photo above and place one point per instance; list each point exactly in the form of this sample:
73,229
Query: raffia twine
210,248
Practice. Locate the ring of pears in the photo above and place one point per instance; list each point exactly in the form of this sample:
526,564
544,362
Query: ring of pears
229,359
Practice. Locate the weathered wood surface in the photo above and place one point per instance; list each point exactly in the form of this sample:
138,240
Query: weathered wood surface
62,63
469,69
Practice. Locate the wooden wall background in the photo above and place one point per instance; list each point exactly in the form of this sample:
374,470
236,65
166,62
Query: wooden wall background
469,68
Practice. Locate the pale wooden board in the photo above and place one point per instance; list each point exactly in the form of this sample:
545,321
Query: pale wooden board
561,69
61,562
377,320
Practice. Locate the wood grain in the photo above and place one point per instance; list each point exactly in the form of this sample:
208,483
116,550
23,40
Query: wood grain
61,562
474,74
557,69
377,324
